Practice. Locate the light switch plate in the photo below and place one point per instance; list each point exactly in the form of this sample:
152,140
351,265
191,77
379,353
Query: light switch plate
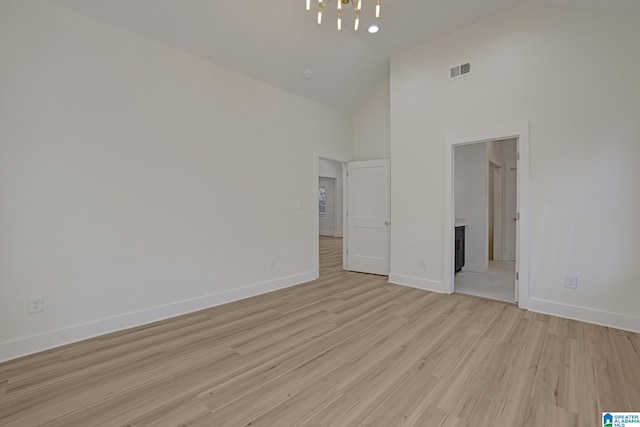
35,305
571,282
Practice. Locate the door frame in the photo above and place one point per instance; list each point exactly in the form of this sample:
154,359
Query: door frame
519,130
320,153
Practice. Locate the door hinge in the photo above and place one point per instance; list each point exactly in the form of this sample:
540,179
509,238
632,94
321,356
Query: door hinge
517,275
517,156
518,216
347,213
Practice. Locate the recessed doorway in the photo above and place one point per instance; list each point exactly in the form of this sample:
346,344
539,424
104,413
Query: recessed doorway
365,212
330,212
472,211
485,212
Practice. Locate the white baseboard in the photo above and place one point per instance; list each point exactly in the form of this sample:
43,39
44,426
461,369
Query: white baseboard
419,283
40,342
476,268
583,314
337,234
589,315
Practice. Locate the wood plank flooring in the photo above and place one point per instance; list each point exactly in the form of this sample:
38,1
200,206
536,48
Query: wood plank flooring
346,350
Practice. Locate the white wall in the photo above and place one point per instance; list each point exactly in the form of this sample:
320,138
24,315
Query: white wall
333,169
471,198
138,182
573,75
372,127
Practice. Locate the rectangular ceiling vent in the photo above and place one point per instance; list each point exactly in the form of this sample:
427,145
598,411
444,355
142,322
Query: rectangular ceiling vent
460,70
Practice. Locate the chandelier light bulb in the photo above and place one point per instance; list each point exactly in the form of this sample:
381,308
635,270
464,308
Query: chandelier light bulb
357,7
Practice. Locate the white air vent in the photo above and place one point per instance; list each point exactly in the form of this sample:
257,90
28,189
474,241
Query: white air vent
460,70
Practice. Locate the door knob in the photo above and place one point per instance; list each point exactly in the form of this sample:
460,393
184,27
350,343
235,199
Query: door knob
386,223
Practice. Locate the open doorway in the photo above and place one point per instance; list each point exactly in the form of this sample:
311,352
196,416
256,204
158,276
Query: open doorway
365,213
330,224
485,200
498,131
330,211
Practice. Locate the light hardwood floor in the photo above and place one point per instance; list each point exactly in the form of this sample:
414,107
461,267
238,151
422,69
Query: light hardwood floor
346,350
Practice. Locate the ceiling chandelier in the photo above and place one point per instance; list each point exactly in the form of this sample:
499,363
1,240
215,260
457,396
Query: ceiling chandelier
357,6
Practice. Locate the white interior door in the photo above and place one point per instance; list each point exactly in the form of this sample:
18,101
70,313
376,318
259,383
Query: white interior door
517,290
368,212
512,226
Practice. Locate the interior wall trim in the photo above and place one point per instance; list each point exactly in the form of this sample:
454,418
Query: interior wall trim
419,283
56,338
583,314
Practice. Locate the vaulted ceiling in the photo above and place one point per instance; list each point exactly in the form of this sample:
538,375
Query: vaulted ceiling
276,41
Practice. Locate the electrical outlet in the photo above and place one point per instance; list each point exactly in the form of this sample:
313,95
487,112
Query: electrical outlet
272,263
571,282
423,263
35,305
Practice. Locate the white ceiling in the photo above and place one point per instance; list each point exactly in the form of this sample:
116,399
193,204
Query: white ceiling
276,41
